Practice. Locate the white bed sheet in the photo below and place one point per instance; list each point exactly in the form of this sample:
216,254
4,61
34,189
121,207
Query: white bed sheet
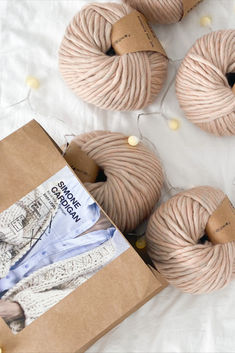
30,34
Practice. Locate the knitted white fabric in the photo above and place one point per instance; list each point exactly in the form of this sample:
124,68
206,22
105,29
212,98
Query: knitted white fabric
46,287
22,224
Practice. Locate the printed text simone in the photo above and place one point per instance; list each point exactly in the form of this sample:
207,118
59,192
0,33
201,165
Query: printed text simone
67,199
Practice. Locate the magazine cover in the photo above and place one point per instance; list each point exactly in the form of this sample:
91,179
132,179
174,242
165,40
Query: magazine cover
51,241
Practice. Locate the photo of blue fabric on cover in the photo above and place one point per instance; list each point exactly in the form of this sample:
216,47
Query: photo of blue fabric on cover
55,238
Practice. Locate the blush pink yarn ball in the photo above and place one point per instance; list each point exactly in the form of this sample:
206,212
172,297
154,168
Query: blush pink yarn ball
159,11
134,177
173,239
202,87
127,82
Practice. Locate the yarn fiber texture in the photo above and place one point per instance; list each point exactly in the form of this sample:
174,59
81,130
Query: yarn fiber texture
173,239
127,82
202,87
133,177
159,11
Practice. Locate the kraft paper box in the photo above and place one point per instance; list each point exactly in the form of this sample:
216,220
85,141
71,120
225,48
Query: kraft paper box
68,271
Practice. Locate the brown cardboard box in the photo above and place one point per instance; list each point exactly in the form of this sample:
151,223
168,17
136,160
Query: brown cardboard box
28,157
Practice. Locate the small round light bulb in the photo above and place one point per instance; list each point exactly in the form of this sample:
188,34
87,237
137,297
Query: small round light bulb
133,141
141,243
205,21
174,124
32,82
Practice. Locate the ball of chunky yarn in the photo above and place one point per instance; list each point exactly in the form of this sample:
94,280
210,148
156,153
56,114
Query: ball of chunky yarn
127,82
174,238
133,177
202,86
159,11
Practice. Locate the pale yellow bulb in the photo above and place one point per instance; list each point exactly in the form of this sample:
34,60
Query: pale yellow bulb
141,243
205,21
32,82
133,141
1,351
174,124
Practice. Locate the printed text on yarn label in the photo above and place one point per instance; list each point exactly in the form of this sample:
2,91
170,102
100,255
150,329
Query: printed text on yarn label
188,5
221,225
83,166
133,34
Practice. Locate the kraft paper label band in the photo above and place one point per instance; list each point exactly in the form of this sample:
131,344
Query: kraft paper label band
221,225
84,167
133,34
233,89
188,5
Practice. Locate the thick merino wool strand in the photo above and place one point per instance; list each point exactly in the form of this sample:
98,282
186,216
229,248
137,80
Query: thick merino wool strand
202,86
127,82
159,11
133,177
173,237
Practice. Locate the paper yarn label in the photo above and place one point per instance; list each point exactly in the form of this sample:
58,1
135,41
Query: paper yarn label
233,89
132,34
221,224
188,5
83,166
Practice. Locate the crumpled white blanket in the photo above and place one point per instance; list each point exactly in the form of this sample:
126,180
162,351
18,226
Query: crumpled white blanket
30,34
